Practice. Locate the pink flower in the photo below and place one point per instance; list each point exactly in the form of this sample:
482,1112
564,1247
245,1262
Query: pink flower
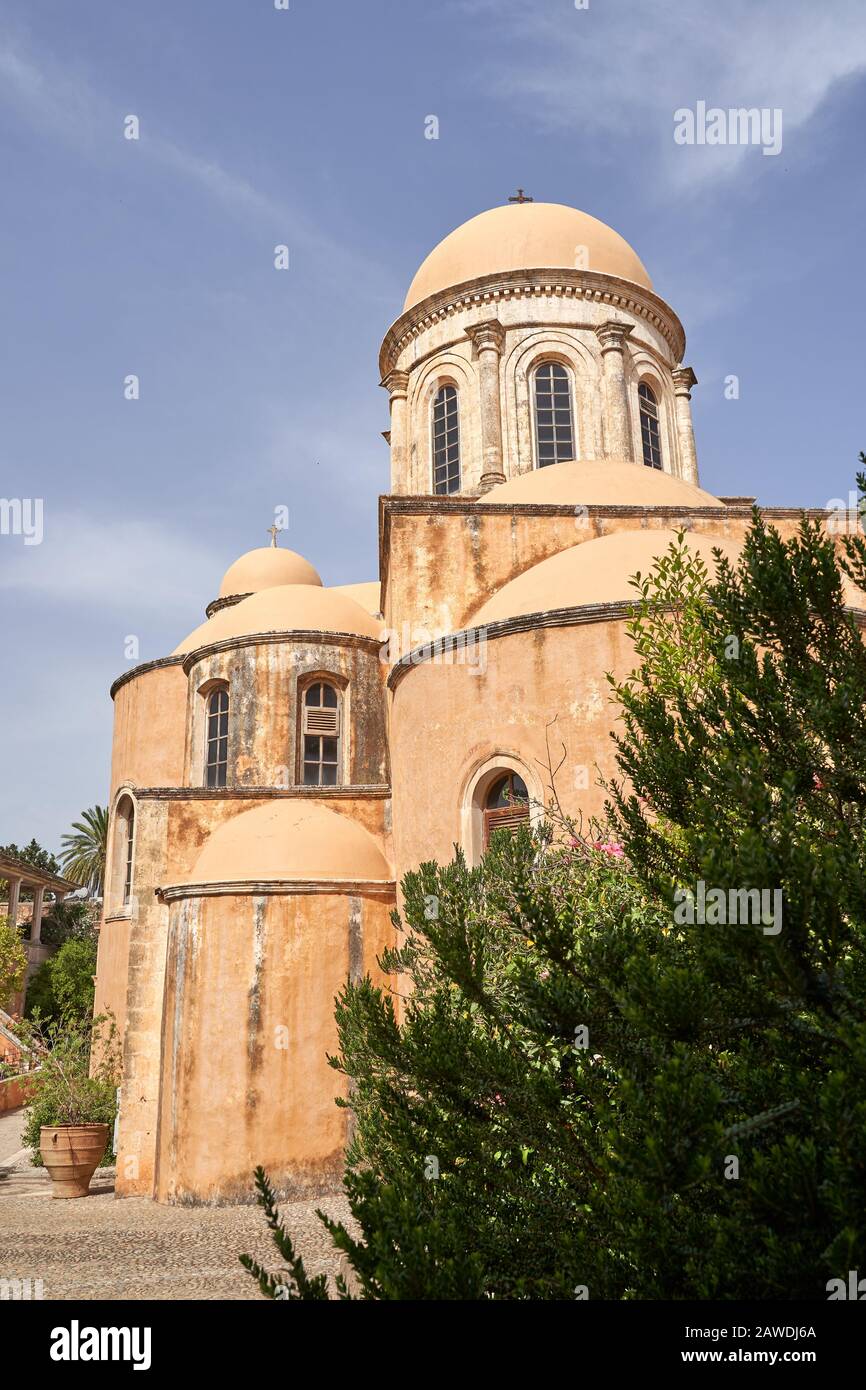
609,847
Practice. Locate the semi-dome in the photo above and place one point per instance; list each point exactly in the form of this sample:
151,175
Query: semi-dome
287,841
596,571
368,594
286,608
264,568
600,482
526,236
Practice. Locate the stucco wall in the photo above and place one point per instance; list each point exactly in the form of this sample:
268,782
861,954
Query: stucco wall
112,965
531,678
264,681
444,559
248,1023
149,729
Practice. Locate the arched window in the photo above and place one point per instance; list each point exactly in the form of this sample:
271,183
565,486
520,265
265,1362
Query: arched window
320,735
446,441
506,805
120,886
130,841
649,426
554,421
217,743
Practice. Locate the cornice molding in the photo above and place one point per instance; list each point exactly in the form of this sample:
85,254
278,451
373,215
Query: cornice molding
216,604
249,888
470,637
348,792
142,670
264,639
486,290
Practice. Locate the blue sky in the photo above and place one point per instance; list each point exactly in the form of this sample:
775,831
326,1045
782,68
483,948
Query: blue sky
259,388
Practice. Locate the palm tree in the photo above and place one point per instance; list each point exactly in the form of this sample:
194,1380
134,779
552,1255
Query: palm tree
82,855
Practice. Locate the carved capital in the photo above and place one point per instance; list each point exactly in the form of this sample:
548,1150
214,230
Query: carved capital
614,335
488,336
684,379
396,383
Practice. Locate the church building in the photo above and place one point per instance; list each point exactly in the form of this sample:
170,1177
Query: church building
276,775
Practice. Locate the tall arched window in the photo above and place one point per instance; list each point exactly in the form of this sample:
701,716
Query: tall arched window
130,841
119,888
649,426
506,805
217,743
320,734
446,441
554,421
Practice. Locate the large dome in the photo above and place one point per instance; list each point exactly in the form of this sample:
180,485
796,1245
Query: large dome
290,841
600,482
286,608
264,568
596,571
526,236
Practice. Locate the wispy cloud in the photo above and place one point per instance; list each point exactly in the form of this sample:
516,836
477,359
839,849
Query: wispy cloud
623,68
112,564
63,104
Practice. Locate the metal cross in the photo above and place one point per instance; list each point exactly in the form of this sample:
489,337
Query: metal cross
521,197
273,532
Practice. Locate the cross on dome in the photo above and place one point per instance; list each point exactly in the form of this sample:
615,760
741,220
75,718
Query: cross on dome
520,197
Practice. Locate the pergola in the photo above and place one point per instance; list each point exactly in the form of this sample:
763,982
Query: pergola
19,874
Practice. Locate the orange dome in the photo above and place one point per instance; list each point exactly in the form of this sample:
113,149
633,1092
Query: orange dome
600,482
597,571
286,608
288,840
526,236
264,568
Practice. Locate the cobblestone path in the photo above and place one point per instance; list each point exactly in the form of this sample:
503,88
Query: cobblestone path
100,1247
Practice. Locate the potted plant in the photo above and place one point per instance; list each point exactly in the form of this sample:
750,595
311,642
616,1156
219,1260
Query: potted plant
74,1101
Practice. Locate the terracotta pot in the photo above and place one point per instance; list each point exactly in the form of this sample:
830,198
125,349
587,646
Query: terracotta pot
71,1154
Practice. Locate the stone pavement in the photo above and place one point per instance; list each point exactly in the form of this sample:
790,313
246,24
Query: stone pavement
99,1247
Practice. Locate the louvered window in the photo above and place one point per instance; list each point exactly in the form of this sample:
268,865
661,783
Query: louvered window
320,735
649,426
507,805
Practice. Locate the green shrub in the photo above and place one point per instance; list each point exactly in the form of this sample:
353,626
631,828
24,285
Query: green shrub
65,1091
63,984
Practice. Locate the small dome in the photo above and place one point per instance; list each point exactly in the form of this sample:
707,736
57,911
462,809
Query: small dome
289,840
526,236
286,608
368,594
265,568
600,482
596,571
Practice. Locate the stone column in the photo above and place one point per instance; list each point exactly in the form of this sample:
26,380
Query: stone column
684,380
488,340
396,383
36,921
14,897
613,337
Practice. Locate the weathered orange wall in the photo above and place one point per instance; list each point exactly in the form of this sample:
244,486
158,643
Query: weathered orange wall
15,1091
236,1090
112,965
531,678
149,730
444,561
